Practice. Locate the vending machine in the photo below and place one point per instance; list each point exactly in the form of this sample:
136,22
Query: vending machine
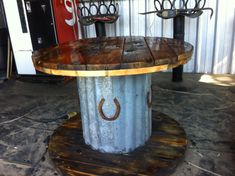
41,23
66,18
36,24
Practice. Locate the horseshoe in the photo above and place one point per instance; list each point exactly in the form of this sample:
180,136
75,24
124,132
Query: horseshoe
149,98
117,113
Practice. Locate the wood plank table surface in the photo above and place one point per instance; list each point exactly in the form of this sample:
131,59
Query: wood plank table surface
113,56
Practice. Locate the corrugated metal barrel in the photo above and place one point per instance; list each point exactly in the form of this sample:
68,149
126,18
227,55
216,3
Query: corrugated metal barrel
132,126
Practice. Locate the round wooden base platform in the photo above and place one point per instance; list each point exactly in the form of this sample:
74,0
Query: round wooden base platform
160,156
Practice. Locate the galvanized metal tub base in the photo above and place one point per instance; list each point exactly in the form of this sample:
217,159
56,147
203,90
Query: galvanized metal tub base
115,112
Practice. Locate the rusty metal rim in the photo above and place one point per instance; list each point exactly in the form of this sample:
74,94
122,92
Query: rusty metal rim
109,73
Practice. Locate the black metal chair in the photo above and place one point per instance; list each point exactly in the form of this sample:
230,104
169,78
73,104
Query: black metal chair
98,12
178,9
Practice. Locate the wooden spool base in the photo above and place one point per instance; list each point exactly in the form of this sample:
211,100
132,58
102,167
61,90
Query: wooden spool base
160,156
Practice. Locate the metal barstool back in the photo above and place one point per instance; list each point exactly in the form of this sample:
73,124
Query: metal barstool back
98,12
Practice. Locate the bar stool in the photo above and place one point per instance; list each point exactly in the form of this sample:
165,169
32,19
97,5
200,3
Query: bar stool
178,9
98,12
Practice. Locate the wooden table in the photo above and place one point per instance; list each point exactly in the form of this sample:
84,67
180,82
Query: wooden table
114,85
113,56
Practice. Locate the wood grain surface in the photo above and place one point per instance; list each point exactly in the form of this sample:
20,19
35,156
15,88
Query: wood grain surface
112,56
160,156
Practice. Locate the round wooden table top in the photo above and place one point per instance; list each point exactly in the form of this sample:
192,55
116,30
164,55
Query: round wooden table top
112,56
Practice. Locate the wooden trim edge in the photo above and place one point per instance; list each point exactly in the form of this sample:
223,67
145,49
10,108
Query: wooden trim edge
109,73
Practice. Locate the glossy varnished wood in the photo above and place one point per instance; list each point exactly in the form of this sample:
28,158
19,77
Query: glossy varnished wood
159,156
113,56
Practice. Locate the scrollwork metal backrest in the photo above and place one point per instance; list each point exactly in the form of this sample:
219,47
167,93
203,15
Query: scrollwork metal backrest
171,8
90,11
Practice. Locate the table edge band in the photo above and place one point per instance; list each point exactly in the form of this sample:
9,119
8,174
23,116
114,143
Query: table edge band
109,73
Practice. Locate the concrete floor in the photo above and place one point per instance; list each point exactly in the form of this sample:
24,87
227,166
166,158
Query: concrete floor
205,107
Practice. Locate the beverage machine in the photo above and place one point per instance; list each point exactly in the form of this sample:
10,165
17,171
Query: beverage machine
36,24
